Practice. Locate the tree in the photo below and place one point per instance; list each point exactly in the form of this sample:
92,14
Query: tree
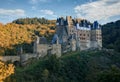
112,75
5,71
111,35
45,75
117,45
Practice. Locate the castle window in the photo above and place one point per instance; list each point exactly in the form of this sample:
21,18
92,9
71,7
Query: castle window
88,35
84,34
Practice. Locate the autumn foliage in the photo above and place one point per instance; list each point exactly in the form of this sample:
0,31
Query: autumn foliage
12,34
16,33
5,71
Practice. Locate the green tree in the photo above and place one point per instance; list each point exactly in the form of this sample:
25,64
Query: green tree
45,75
117,45
112,75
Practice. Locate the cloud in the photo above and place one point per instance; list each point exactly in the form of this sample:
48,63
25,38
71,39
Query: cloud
37,1
98,10
47,12
10,12
33,8
8,15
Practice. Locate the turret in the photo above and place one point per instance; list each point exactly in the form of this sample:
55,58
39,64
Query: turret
57,22
69,20
60,21
96,35
95,25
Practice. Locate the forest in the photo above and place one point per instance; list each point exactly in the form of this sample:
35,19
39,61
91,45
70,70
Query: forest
111,35
22,32
84,66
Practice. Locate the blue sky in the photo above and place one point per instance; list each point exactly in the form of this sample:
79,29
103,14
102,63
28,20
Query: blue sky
101,10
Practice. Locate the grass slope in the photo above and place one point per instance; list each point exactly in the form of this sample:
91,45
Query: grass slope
84,66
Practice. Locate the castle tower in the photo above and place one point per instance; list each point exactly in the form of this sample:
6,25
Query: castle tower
69,21
70,28
36,42
96,36
56,48
99,37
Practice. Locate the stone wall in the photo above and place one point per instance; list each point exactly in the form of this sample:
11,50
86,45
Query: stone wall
73,44
10,58
25,57
42,49
56,49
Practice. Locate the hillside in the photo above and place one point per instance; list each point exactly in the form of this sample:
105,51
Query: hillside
85,66
22,32
42,26
111,35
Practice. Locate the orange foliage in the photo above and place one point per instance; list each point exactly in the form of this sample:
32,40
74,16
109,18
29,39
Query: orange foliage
13,34
51,31
42,32
5,71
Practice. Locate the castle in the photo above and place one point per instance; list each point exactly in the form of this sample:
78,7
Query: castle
71,35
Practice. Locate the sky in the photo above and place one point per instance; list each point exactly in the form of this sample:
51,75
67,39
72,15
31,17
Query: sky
101,10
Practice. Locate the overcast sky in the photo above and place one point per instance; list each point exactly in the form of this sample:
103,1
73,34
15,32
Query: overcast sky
101,10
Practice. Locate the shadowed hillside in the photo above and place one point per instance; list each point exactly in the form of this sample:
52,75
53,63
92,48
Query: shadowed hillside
111,35
85,66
